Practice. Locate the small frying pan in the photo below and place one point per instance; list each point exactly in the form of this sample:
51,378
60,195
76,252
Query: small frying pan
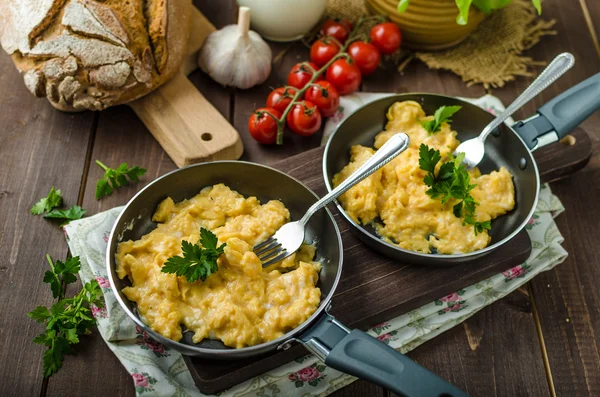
508,146
351,351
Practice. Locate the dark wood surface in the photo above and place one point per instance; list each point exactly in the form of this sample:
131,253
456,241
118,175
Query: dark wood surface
542,340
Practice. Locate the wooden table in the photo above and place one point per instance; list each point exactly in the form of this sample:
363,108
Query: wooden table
543,339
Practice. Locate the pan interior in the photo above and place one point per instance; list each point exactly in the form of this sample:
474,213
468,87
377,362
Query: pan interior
249,180
504,149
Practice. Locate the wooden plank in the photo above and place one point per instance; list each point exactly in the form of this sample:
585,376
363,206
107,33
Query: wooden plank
40,147
493,353
566,298
122,137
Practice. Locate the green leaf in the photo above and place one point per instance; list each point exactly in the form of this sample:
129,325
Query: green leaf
40,314
403,5
66,216
452,181
54,356
428,158
463,11
197,262
442,114
52,200
103,189
55,284
538,6
115,178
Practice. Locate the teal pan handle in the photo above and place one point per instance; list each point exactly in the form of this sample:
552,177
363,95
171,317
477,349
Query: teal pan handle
554,120
357,353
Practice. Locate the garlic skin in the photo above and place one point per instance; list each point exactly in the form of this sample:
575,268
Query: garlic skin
235,55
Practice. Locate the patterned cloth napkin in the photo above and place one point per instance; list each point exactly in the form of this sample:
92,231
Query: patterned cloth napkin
159,371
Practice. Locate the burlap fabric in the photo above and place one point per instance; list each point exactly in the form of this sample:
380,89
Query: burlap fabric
492,55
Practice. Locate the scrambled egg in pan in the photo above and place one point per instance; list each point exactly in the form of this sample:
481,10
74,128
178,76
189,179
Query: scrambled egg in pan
241,304
394,201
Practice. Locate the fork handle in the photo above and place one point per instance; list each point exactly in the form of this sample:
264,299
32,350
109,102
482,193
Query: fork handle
393,147
557,68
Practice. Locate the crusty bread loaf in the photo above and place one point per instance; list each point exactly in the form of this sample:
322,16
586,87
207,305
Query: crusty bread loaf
91,54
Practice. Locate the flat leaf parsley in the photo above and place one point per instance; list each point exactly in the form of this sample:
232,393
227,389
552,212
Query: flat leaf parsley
68,318
48,203
115,178
441,115
197,262
451,181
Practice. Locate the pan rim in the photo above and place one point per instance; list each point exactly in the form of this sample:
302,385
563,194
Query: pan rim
420,255
213,352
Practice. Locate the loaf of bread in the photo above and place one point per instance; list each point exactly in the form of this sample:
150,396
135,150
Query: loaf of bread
91,54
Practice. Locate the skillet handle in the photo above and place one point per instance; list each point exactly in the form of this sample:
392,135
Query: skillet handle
554,120
363,356
356,353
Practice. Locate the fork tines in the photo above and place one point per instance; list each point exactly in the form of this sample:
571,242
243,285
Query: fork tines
270,252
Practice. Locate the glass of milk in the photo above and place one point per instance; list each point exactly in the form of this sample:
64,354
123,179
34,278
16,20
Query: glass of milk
284,20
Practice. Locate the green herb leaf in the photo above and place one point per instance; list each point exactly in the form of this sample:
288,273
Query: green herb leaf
39,314
451,181
52,200
441,115
538,6
402,5
197,262
428,158
66,216
115,178
68,318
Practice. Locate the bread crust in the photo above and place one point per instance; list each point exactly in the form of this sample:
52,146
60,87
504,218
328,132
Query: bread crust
92,54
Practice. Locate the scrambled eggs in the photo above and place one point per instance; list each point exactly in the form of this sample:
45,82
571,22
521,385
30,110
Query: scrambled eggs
394,201
242,304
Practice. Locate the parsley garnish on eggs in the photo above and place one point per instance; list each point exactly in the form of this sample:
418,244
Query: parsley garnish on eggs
197,262
451,181
441,115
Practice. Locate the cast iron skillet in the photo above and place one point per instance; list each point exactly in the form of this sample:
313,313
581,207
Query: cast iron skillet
510,147
351,351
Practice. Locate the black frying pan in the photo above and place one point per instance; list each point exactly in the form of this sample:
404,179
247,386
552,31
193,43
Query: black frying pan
510,147
351,351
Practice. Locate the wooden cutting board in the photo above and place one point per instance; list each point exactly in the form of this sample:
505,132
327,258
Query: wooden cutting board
182,120
374,288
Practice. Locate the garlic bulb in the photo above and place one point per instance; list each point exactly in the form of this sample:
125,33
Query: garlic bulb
235,55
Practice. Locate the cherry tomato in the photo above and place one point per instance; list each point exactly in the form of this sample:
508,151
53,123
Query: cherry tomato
263,127
304,118
336,28
344,76
365,55
325,96
301,74
280,98
386,37
323,50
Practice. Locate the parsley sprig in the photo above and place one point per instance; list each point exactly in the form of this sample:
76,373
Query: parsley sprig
49,203
197,262
442,114
451,181
115,178
68,318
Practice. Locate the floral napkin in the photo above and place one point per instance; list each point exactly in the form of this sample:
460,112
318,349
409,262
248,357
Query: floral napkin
159,371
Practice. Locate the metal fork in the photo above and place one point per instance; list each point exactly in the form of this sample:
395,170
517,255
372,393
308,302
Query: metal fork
290,236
